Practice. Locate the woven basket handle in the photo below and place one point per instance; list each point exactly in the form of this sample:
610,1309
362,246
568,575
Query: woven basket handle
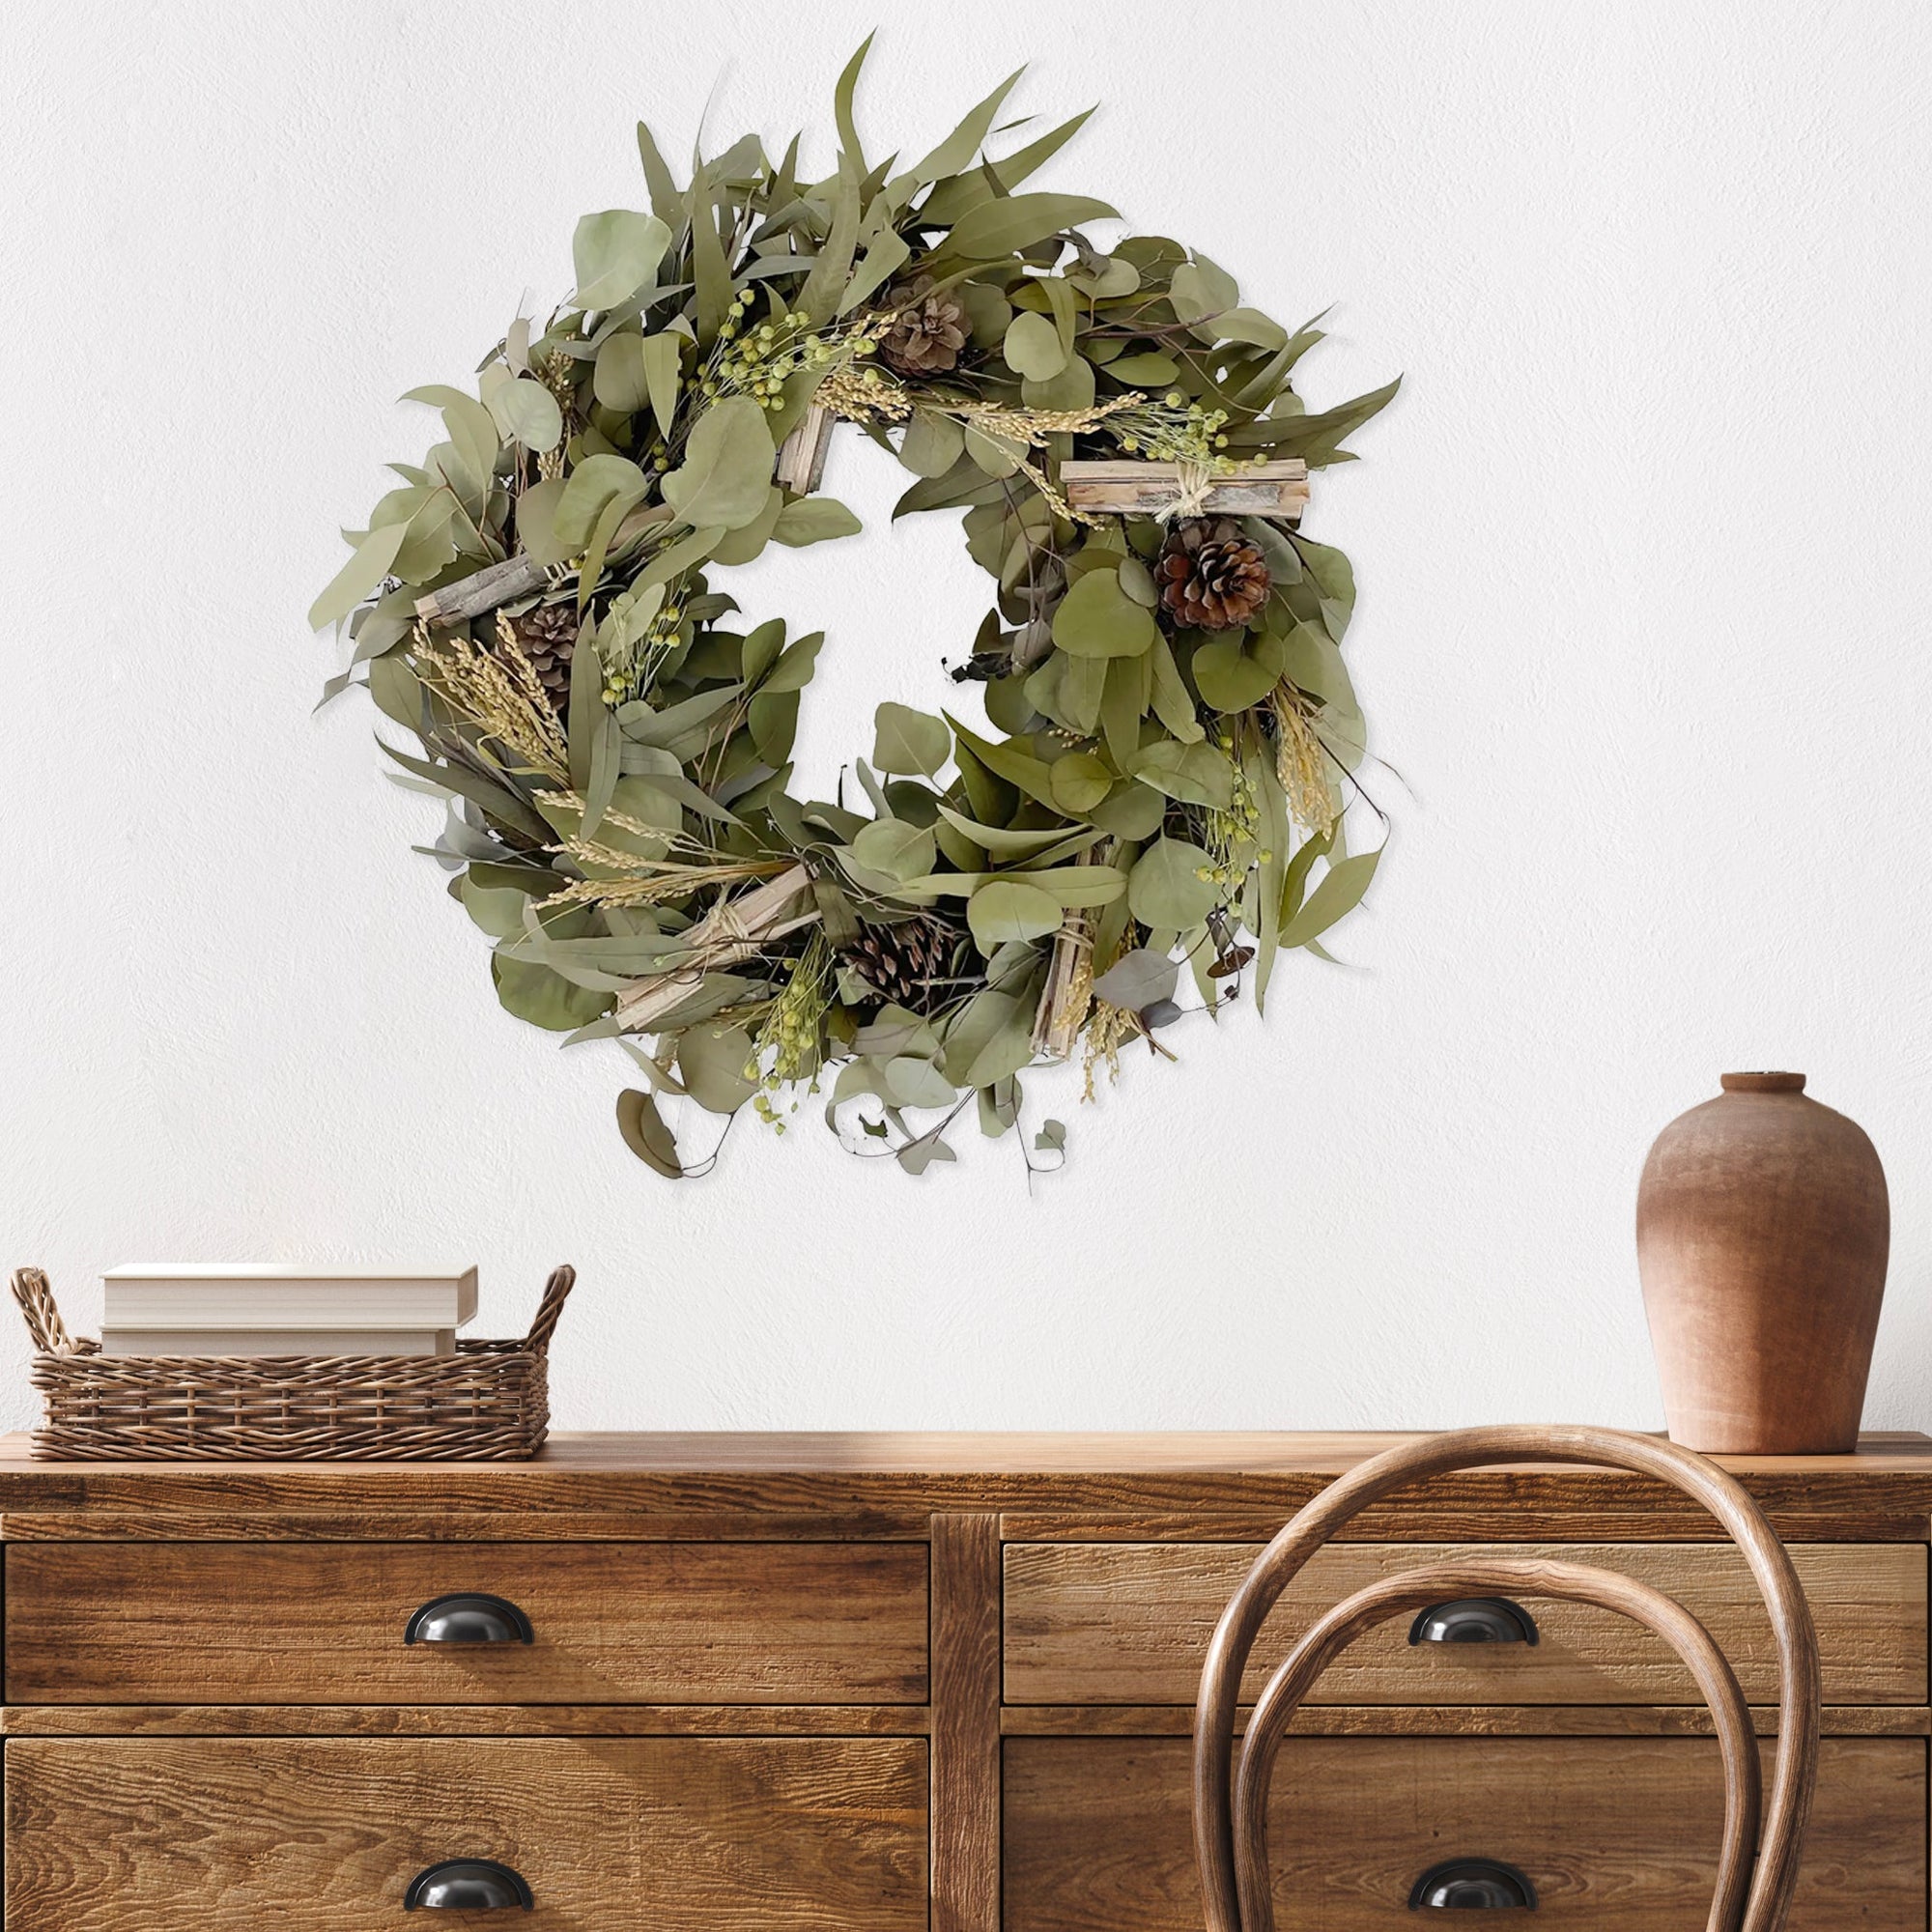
556,1291
36,1297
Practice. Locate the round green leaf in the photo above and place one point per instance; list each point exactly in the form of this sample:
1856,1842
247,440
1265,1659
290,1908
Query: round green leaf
1004,909
1195,774
1097,618
1165,887
1072,388
545,999
726,472
536,522
588,492
814,519
909,741
527,412
891,846
615,253
1032,347
932,443
1078,782
712,1060
617,379
1234,672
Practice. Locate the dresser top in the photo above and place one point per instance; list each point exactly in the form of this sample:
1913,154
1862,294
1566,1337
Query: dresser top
916,1453
1235,1483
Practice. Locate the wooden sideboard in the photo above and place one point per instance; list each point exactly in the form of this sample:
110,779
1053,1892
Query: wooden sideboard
877,1683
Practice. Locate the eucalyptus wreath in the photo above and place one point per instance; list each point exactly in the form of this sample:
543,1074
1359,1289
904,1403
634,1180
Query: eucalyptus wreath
1172,737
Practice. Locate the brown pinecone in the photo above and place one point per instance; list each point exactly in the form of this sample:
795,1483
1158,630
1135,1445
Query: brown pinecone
1210,575
548,636
910,963
929,332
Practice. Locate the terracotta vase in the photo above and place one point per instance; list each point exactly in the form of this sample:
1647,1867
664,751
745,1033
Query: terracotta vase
1762,1230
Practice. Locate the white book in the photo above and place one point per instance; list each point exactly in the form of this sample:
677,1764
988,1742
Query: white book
278,1342
276,1294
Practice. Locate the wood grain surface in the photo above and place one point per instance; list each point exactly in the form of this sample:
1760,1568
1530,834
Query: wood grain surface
1129,1624
230,1835
1614,1831
966,1723
1077,1484
743,1623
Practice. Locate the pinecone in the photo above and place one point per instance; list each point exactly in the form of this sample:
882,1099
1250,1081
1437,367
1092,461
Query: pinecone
929,332
910,963
1210,575
547,634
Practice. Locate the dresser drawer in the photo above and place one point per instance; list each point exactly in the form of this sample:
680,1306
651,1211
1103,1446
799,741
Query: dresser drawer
753,1834
1615,1831
1129,1624
615,1623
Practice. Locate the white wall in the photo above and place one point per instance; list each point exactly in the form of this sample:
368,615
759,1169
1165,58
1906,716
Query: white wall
1643,627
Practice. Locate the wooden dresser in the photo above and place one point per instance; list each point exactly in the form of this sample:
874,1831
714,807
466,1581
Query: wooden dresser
870,1682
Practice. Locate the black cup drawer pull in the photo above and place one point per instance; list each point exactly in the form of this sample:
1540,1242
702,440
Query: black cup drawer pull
1474,1620
469,1618
467,1884
1465,1882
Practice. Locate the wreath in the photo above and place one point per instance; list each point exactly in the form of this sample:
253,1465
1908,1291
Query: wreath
1171,735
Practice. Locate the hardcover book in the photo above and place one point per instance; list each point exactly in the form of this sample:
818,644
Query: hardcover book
288,1295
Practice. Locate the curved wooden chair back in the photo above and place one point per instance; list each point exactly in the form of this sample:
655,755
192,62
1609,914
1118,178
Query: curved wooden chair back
1756,1880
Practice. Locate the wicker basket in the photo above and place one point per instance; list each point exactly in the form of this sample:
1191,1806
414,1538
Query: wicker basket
489,1402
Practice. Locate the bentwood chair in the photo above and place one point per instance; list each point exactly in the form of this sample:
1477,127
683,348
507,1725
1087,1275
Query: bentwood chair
1755,1879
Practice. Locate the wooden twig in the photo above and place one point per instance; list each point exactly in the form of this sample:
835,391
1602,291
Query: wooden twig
471,596
1069,991
729,935
801,464
1127,488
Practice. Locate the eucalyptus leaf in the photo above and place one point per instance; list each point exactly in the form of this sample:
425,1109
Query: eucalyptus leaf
895,848
544,998
1032,347
1172,885
617,379
359,576
1001,227
712,1062
645,1134
615,253
727,469
1137,979
932,443
813,520
526,412
661,358
1339,892
1195,774
1097,618
591,490
1009,908
905,740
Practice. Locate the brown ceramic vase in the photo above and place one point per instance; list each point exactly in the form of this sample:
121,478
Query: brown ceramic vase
1762,1231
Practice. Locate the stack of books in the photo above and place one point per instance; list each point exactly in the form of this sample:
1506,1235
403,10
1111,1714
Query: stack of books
254,1308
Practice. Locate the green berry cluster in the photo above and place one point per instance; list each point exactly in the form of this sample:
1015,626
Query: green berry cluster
756,358
1174,430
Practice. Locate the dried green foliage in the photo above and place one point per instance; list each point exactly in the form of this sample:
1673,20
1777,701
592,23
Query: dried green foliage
1156,791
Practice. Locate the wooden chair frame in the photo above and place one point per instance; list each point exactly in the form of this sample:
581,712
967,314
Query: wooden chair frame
1755,1881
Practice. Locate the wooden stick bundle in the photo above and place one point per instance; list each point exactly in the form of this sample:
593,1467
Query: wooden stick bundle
1127,488
732,931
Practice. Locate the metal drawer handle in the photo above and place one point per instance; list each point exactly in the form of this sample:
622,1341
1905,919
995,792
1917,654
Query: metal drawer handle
1474,1620
467,1884
469,1618
1471,1882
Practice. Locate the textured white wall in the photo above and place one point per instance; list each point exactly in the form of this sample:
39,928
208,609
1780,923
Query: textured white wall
1643,626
